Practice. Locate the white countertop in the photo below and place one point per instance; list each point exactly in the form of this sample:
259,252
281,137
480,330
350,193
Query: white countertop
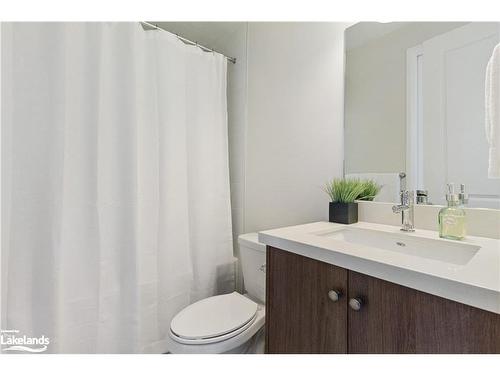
476,283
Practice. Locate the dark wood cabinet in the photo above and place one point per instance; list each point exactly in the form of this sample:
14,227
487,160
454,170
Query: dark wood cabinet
384,323
444,326
301,318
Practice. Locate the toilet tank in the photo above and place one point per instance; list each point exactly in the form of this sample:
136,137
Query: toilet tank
253,264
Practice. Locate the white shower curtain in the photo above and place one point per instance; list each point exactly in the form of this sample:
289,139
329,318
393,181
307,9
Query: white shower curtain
116,205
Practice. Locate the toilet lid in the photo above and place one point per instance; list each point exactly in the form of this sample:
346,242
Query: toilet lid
213,316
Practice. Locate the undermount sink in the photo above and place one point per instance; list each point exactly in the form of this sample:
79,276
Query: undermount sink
435,249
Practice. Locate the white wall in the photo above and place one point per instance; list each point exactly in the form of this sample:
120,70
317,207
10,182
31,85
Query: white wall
294,136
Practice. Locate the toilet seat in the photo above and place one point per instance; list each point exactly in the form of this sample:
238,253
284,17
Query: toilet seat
211,340
213,319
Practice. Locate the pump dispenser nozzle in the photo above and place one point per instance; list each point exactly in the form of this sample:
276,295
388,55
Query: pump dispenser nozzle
463,197
450,195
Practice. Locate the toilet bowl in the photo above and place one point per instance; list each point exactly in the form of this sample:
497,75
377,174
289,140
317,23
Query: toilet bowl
228,323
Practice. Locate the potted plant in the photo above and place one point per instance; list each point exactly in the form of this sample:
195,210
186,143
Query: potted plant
343,193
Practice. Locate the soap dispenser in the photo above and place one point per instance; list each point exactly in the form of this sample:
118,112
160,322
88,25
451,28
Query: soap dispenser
452,217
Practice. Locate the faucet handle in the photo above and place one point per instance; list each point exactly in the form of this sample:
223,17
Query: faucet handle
397,208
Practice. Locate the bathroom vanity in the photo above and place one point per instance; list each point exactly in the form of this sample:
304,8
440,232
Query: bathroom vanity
368,288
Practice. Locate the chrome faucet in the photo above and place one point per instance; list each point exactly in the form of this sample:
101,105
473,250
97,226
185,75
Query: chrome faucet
406,205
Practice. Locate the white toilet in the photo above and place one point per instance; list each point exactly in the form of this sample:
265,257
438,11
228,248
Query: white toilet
228,323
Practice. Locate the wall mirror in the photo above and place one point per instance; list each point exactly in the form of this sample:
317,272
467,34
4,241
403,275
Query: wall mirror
415,102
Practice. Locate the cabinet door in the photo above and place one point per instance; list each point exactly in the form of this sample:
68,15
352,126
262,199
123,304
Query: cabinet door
396,319
385,323
300,316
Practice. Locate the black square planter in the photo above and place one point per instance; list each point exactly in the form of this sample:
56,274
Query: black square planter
344,213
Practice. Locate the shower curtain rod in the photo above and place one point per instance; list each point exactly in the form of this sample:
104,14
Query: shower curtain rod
187,41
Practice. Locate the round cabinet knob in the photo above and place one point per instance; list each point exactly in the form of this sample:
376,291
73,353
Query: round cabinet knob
356,303
334,295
